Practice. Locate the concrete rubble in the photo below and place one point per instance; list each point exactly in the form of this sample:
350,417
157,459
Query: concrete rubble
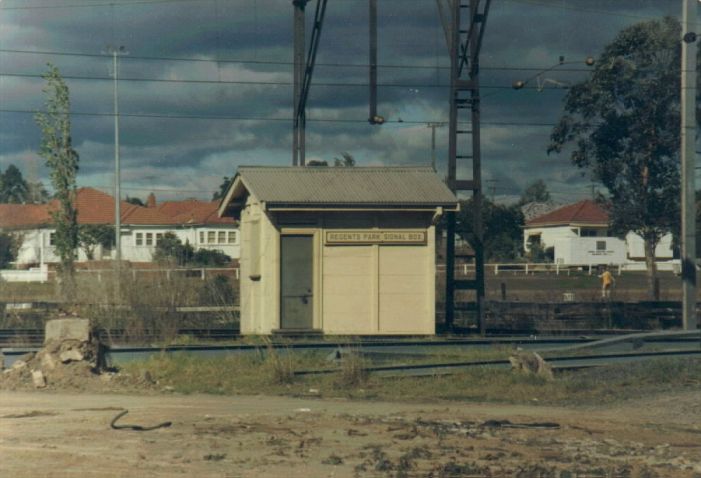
71,353
531,363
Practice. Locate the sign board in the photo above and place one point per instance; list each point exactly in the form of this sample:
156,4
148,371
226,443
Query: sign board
375,236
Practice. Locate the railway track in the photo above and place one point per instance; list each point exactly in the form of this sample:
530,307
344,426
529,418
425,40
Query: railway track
560,363
391,351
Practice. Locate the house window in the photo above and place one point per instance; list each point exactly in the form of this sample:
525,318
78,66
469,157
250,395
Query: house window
588,233
232,237
159,236
202,237
221,237
211,237
600,245
139,239
52,238
149,238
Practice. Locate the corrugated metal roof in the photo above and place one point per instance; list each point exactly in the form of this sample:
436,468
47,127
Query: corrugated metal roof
356,186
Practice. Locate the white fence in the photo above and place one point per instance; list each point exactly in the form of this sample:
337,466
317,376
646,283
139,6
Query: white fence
35,274
201,272
542,267
41,274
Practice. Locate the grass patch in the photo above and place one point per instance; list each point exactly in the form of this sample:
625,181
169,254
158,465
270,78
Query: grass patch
266,373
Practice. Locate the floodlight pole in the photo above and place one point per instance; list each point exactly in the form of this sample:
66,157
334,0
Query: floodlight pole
688,157
116,52
117,170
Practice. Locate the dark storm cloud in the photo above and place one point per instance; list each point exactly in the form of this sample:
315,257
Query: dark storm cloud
192,153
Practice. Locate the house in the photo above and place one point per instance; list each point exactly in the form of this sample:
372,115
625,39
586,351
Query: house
142,227
347,251
579,234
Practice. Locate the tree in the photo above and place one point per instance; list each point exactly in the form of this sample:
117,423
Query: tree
62,161
502,229
622,125
345,161
536,191
37,193
92,235
13,188
210,258
170,249
136,201
223,188
9,247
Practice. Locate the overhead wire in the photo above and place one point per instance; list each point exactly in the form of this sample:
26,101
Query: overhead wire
252,118
275,62
257,82
93,5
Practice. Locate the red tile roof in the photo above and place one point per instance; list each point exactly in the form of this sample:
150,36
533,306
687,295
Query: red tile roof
192,211
173,208
13,216
96,207
585,212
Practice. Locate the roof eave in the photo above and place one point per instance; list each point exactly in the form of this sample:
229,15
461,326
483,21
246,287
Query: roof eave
567,224
236,189
291,206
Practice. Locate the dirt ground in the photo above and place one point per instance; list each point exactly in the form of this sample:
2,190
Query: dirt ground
49,434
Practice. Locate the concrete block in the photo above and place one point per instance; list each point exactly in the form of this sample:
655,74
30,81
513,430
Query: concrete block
18,364
38,379
531,363
71,355
67,329
48,362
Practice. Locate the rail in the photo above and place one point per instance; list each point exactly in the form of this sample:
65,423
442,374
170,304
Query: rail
372,346
561,363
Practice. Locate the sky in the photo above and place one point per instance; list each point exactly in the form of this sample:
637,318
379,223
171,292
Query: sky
206,86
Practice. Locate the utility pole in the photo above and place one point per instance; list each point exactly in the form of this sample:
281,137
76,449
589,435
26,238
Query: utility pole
116,52
688,156
303,72
298,138
492,187
433,127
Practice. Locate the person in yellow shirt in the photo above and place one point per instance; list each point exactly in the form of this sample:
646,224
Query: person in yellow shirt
607,282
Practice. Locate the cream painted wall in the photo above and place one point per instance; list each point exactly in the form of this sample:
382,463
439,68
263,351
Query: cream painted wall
358,289
260,270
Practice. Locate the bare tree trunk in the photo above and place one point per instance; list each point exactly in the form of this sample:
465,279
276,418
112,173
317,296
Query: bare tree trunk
651,267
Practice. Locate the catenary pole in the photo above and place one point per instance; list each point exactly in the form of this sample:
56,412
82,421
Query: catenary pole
688,156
